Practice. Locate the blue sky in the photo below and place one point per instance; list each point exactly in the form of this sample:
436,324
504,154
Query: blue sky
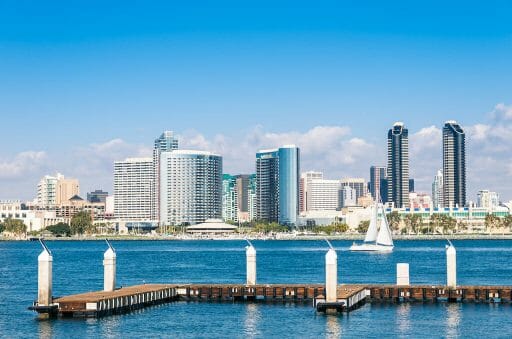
81,78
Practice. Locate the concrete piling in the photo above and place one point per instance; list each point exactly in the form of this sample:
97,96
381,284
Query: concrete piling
331,276
250,253
109,269
44,276
402,274
451,266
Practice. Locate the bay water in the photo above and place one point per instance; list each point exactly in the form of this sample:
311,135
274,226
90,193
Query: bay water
78,268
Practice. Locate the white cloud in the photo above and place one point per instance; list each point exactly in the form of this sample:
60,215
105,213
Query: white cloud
502,112
22,164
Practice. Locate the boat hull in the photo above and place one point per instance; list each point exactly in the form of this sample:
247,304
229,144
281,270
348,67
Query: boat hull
371,248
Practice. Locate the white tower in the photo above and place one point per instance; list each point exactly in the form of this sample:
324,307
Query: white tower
109,269
250,253
44,277
451,266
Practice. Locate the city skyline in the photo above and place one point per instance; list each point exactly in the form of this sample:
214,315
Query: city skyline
85,84
427,139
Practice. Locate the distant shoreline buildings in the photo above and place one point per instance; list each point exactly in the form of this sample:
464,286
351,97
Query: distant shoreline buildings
176,187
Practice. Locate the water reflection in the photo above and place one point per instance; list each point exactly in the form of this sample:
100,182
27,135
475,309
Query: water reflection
453,319
45,328
333,326
403,318
252,320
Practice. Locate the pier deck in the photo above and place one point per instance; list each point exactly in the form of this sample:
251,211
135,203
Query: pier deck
97,304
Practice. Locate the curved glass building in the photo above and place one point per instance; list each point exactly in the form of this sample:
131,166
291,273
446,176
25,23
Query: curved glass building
288,184
190,186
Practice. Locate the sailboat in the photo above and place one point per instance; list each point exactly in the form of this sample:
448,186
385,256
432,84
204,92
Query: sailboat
376,239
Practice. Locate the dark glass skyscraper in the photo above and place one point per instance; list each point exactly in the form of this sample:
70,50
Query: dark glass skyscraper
377,174
398,165
454,165
267,185
277,185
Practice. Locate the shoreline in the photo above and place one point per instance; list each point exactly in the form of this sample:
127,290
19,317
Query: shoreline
277,237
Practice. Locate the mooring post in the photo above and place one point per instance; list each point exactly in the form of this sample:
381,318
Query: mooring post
44,276
250,254
402,274
331,275
451,266
109,268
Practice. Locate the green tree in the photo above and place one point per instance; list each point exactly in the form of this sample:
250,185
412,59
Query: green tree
394,220
491,222
413,222
2,228
506,222
363,226
81,223
340,228
60,229
15,226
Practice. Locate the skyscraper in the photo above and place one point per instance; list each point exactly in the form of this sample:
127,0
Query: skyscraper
277,173
166,142
267,185
133,184
358,184
398,165
305,194
236,197
190,187
56,191
377,173
437,189
288,184
454,165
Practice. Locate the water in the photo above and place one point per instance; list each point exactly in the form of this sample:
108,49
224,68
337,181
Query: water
78,268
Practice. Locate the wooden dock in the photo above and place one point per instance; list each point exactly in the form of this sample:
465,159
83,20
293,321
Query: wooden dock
350,297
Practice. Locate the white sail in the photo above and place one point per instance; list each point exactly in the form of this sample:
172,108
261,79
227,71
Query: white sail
384,236
371,233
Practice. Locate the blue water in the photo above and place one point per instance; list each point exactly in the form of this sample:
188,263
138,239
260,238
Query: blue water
78,268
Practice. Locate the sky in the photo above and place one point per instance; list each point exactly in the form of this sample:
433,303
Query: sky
85,83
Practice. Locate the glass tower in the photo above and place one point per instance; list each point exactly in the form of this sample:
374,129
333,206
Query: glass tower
288,185
454,165
398,165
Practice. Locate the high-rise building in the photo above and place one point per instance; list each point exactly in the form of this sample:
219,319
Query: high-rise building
236,197
56,191
358,184
398,165
190,187
348,196
133,185
267,185
277,173
47,191
229,198
377,173
166,142
437,190
454,165
411,185
305,181
289,167
324,195
97,196
488,199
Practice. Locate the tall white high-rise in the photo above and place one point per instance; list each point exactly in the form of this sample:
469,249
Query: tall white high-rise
190,187
56,190
348,196
324,195
133,184
488,199
305,186
437,190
